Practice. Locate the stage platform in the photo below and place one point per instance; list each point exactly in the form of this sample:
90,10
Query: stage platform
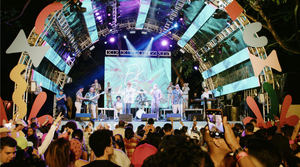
136,123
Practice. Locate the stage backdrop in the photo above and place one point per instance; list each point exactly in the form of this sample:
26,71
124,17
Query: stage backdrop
142,72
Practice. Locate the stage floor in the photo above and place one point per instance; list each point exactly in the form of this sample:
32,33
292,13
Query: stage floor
136,123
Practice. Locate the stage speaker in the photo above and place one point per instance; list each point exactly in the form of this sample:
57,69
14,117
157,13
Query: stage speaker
83,116
125,117
176,117
145,117
199,116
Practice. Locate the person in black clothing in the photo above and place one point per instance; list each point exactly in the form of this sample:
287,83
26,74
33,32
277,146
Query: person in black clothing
101,144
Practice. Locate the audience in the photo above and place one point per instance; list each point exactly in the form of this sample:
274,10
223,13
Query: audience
148,146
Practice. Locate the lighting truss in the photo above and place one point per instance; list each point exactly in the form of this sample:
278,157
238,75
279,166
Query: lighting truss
174,13
114,25
62,27
137,53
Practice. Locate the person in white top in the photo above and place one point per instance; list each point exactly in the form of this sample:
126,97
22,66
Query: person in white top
185,97
129,98
118,107
170,89
207,94
156,97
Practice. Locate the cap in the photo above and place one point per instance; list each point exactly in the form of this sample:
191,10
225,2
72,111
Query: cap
141,153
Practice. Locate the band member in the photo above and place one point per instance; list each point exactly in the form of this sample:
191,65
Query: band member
141,99
176,99
185,97
61,103
97,86
170,89
118,107
78,101
156,97
207,94
92,102
129,98
108,91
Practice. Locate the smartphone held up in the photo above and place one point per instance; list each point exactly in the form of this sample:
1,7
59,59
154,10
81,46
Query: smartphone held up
214,119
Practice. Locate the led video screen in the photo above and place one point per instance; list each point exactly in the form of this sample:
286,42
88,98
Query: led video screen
142,72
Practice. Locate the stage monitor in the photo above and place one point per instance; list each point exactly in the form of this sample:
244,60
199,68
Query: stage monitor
142,72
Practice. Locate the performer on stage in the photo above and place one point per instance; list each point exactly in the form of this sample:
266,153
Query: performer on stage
108,91
61,103
185,97
141,99
118,107
97,86
156,97
170,89
79,99
207,94
176,99
92,102
129,98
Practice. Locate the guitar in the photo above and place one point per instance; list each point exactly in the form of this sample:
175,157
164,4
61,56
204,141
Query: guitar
88,101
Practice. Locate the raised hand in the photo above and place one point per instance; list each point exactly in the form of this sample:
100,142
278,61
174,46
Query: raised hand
58,118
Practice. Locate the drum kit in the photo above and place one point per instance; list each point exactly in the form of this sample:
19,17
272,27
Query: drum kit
146,105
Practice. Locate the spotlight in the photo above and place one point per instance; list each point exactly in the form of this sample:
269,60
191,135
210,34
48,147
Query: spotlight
152,38
171,46
99,17
176,25
181,19
164,42
125,36
196,68
105,42
112,39
97,13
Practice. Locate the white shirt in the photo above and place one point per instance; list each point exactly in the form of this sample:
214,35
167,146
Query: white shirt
185,90
206,95
120,158
129,95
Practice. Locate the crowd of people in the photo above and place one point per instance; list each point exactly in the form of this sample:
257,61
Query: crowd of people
54,145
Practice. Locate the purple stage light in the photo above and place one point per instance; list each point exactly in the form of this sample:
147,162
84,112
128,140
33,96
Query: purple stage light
164,42
196,67
112,39
181,19
97,13
99,17
108,14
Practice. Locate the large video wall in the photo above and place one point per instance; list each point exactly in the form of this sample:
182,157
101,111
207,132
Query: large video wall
142,72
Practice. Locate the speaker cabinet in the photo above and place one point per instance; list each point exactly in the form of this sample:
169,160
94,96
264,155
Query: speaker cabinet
176,117
125,117
145,117
83,116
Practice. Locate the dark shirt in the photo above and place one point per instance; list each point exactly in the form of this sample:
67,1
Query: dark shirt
62,101
101,163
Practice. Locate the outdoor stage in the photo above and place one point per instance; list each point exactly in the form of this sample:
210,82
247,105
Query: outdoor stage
136,123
